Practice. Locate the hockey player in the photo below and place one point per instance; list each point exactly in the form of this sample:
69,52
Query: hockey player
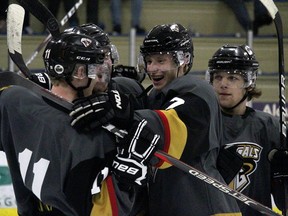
249,132
45,154
109,196
183,119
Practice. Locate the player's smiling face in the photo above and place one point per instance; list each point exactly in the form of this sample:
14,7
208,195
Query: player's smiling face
161,69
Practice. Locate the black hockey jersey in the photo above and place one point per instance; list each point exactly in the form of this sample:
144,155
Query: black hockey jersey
252,135
71,160
187,116
47,156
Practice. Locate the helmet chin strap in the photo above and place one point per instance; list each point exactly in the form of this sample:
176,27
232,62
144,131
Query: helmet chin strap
178,68
243,98
79,90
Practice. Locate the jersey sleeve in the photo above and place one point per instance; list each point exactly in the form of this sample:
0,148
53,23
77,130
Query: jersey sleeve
116,198
184,125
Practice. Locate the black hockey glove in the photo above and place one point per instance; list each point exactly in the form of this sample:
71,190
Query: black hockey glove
229,163
279,172
135,151
99,109
279,160
128,71
41,79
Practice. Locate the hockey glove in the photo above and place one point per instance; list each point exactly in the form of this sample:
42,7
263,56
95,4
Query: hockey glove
229,163
134,154
41,79
279,161
279,172
99,109
128,71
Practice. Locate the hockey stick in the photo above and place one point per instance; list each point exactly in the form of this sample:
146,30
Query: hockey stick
41,12
15,19
275,15
45,41
9,78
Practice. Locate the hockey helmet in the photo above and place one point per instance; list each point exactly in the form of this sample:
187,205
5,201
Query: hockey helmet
235,59
62,54
98,34
170,39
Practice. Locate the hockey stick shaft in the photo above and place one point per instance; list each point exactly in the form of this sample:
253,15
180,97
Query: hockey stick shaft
46,40
275,15
215,183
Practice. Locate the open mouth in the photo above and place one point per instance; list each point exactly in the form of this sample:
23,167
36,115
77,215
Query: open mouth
157,78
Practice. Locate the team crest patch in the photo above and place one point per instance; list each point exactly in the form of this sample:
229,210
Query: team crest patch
251,154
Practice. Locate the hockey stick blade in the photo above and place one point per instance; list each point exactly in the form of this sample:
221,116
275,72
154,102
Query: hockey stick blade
45,41
10,78
15,19
41,12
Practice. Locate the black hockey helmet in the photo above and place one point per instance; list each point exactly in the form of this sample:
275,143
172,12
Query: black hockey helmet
169,38
235,59
98,34
92,30
62,54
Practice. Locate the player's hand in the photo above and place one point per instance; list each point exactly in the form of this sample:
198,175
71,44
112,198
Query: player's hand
134,154
41,79
279,160
128,71
99,109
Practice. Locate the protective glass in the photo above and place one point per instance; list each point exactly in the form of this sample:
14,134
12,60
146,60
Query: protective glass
231,78
114,54
79,71
94,70
179,56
